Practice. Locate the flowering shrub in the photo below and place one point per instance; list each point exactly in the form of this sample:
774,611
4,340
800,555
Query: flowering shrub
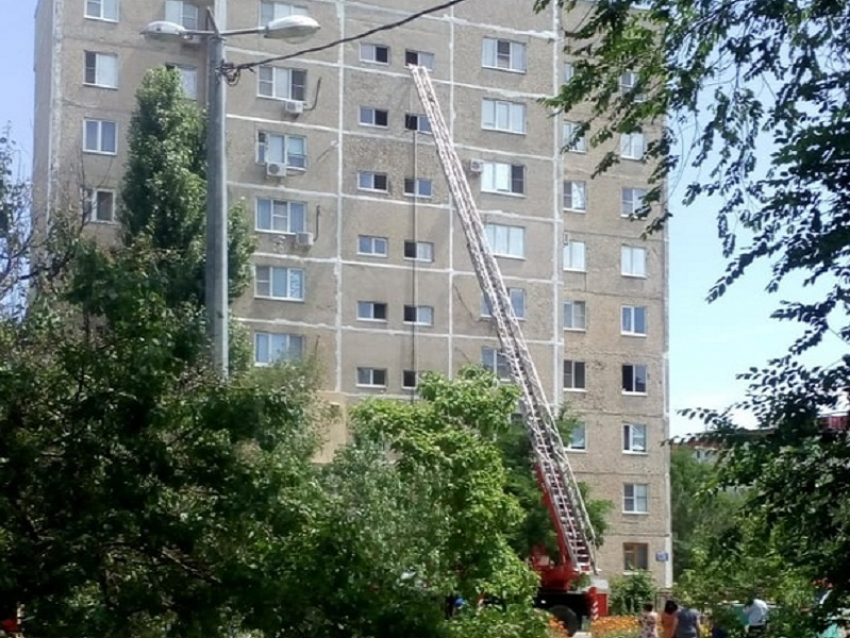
615,627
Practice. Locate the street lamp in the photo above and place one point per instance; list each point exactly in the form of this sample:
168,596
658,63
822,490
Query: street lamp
295,28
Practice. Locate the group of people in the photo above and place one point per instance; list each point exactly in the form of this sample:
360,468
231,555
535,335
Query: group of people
685,622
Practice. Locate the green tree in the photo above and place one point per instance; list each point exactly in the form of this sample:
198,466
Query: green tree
163,197
630,593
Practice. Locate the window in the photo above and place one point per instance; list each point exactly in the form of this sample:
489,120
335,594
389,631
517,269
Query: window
373,117
419,250
374,53
409,379
281,83
275,10
635,557
420,315
578,438
575,315
575,196
633,320
577,145
419,58
634,379
280,216
290,150
517,296
633,261
101,69
184,13
632,146
574,375
370,181
188,79
99,205
100,137
102,10
574,256
418,187
414,122
506,241
634,438
498,115
632,200
372,377
503,178
568,72
371,245
495,361
503,54
635,498
371,311
278,282
271,347
628,82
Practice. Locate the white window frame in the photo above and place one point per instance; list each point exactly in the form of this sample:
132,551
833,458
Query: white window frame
91,201
578,438
494,360
578,196
423,188
374,242
102,12
373,175
423,58
99,146
368,116
367,311
420,247
292,161
278,83
628,81
515,60
575,256
635,438
369,53
568,72
575,365
188,79
628,322
186,14
635,498
632,146
573,310
423,315
500,178
503,116
633,261
635,547
505,240
105,68
518,303
371,373
635,368
631,201
423,124
291,349
580,145
271,10
264,272
281,209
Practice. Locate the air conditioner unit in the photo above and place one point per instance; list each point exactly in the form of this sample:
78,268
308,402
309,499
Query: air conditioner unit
275,169
476,165
293,107
304,239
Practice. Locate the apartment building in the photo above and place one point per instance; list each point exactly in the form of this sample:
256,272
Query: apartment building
360,259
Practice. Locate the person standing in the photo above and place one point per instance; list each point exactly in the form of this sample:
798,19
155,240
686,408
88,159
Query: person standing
756,612
687,623
648,622
668,619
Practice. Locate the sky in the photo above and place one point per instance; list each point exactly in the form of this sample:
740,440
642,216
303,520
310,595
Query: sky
709,343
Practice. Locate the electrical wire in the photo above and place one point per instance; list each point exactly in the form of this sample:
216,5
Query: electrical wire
232,71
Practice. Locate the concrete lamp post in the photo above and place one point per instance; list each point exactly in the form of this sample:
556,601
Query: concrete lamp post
294,29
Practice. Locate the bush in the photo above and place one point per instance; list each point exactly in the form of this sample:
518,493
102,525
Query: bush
628,594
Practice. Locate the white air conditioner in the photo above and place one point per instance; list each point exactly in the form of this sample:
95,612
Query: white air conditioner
304,239
293,107
275,169
476,165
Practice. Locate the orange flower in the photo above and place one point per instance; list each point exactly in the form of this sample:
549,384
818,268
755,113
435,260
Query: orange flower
614,626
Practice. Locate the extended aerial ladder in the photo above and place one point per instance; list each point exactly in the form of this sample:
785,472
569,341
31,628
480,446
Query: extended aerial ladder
560,489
